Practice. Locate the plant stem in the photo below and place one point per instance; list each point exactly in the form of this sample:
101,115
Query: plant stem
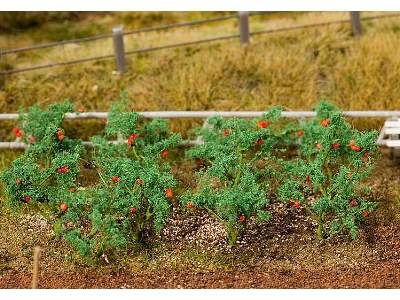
320,229
135,155
232,235
101,177
44,180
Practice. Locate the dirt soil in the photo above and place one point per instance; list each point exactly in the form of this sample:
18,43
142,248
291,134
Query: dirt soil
191,252
381,275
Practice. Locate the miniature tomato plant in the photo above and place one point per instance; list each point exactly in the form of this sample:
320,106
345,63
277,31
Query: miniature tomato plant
229,186
135,186
49,165
326,179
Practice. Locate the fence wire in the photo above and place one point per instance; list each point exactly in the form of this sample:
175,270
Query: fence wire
185,44
109,35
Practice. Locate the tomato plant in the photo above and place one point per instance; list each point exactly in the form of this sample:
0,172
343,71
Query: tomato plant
230,188
134,189
49,165
326,179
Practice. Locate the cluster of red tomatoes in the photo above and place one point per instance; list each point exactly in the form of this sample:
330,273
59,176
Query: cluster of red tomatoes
335,146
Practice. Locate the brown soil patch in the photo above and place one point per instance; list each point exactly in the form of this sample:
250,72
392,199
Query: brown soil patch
381,275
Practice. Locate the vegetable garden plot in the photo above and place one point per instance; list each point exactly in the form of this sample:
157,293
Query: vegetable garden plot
243,164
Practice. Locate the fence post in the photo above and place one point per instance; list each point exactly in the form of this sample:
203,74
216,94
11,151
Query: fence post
35,271
356,23
119,49
244,27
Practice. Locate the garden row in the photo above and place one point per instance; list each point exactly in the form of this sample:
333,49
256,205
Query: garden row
317,164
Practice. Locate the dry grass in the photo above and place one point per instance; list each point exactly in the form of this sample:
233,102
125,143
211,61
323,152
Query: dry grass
294,69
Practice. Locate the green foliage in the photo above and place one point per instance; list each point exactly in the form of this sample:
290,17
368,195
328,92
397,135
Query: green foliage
50,164
230,187
326,178
130,196
134,188
240,163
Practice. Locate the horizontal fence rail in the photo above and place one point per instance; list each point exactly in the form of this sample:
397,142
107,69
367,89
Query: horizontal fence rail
226,114
201,115
192,43
109,35
129,32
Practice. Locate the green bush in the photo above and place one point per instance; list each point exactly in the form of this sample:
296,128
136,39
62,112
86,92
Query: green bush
135,185
49,165
230,186
326,178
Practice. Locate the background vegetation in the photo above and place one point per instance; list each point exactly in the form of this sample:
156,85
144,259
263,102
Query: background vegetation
294,69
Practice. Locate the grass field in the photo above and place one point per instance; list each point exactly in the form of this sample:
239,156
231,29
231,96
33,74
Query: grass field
294,69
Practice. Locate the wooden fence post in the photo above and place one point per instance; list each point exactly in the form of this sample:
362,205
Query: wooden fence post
119,49
35,271
356,23
244,27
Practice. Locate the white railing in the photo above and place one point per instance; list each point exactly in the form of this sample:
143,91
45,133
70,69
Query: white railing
202,115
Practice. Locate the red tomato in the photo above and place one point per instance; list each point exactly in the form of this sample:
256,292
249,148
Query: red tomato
325,122
296,204
63,207
353,203
300,133
63,169
355,148
27,199
17,132
242,218
189,205
169,193
164,153
260,141
365,213
60,135
263,124
133,210
226,132
335,146
132,138
116,179
365,157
